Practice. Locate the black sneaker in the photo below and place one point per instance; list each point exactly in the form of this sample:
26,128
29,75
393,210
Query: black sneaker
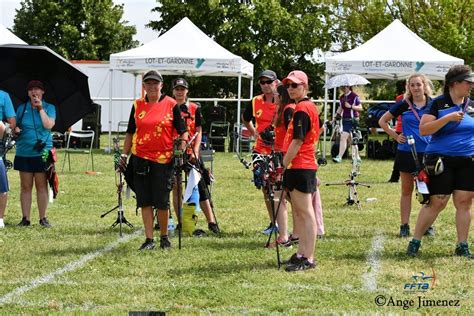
213,227
293,239
44,222
302,264
149,244
413,247
404,230
462,250
293,259
430,231
165,243
24,222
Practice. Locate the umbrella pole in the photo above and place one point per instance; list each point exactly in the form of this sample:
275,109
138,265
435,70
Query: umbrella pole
109,149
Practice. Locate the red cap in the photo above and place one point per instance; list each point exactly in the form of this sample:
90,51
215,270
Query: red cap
296,76
35,84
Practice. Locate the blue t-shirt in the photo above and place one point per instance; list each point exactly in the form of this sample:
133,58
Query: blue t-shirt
455,138
411,125
6,106
32,129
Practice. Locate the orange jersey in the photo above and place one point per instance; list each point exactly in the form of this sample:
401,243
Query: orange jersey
280,131
189,118
153,138
305,158
263,112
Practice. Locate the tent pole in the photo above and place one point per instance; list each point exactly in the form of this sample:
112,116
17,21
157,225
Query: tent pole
109,149
239,94
325,112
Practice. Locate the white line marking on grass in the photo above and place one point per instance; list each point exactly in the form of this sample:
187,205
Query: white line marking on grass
373,263
67,268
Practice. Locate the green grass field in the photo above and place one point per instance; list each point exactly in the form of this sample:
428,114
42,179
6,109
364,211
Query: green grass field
82,266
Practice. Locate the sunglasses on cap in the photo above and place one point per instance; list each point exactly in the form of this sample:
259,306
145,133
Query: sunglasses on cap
293,85
269,81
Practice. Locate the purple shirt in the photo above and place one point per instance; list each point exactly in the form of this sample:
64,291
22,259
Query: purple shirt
353,99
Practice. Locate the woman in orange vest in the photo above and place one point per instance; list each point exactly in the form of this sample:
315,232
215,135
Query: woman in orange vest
153,120
191,114
299,178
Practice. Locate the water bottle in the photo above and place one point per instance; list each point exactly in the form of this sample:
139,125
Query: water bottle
170,226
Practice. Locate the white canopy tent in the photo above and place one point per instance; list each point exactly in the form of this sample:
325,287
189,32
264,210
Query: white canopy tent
394,53
183,50
7,37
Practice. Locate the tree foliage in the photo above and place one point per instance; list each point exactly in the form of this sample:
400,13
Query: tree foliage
446,25
271,34
76,29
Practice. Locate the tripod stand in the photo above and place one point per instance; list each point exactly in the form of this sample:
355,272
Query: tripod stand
351,183
270,167
120,217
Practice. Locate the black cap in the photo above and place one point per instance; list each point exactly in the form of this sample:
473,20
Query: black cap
180,82
153,75
270,74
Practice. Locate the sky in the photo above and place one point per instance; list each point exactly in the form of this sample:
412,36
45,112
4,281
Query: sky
136,12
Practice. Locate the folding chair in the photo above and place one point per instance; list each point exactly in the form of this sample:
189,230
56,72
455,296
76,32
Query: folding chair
219,134
81,137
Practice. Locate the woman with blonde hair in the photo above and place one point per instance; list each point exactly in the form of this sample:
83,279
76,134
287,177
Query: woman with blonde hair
411,109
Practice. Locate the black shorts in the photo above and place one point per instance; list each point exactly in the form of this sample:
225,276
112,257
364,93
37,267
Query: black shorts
405,162
458,174
203,191
29,164
303,180
152,183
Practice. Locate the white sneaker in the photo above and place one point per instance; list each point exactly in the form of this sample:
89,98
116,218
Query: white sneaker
2,224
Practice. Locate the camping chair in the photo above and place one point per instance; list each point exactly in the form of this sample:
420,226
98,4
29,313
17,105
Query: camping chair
74,146
219,134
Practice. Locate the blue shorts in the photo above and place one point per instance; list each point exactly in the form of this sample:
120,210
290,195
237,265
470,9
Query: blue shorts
3,178
29,164
348,124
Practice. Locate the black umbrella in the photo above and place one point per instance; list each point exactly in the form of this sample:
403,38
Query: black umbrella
65,86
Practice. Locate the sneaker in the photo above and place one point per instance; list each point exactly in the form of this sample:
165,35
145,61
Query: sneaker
270,229
302,264
294,240
430,231
337,159
149,244
282,243
24,222
462,250
165,242
44,222
404,230
293,259
213,227
413,247
2,224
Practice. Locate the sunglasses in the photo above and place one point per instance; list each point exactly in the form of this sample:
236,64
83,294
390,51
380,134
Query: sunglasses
262,82
293,85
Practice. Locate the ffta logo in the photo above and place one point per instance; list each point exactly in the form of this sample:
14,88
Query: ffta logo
421,282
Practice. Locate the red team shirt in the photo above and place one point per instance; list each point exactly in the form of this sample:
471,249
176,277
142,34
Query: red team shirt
305,158
154,129
263,112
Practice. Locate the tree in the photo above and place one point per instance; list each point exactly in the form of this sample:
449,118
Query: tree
76,29
447,25
280,35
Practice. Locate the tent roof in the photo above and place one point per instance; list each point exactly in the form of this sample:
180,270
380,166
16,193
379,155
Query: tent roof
394,53
183,50
7,37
